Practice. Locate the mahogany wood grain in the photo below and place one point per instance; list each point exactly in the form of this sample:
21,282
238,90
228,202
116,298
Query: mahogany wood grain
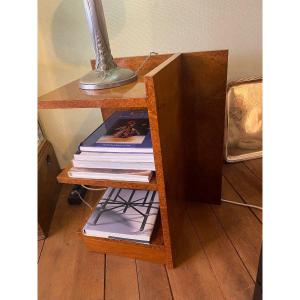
48,187
204,81
121,279
234,279
153,281
66,270
64,178
246,184
242,228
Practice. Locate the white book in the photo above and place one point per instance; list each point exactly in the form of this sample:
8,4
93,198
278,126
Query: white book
113,165
115,157
124,214
111,174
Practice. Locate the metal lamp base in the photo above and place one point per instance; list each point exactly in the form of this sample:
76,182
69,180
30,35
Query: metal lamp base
97,80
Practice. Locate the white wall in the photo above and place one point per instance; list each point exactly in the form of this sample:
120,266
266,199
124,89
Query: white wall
136,27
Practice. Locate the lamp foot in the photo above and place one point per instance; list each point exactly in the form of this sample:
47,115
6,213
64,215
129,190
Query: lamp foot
97,80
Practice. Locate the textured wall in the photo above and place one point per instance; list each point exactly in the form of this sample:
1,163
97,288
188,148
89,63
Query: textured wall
137,27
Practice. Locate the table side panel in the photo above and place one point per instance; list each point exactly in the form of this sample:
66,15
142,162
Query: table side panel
204,96
163,86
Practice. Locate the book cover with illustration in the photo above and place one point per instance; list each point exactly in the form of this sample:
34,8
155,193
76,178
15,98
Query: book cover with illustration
124,214
124,131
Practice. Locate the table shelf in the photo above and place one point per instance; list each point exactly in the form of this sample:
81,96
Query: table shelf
155,251
63,177
132,95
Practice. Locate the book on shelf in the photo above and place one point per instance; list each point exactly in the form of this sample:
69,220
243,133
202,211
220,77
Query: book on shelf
111,174
113,165
123,131
124,214
114,157
120,149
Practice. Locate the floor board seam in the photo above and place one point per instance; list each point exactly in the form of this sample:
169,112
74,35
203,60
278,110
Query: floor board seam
228,237
168,279
242,198
243,166
137,278
104,278
210,265
40,254
260,179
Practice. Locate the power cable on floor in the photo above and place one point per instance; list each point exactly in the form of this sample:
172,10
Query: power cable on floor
242,204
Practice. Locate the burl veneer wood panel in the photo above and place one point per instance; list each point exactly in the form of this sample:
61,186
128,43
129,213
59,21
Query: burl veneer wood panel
129,96
204,77
134,63
155,251
71,96
163,86
164,104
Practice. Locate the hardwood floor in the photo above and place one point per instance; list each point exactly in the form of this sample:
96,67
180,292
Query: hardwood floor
219,256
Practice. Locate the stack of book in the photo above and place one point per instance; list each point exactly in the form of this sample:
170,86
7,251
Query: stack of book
124,214
120,149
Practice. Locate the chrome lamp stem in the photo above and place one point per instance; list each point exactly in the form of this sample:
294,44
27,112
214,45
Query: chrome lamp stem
107,73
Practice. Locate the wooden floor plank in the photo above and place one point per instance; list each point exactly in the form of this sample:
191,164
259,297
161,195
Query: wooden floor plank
66,269
121,278
193,278
153,281
233,278
255,165
88,280
246,184
241,226
40,248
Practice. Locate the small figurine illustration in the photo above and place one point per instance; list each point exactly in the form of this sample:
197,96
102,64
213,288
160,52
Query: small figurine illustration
126,131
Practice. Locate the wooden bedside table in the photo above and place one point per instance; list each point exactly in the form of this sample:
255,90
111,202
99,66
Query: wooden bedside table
48,187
